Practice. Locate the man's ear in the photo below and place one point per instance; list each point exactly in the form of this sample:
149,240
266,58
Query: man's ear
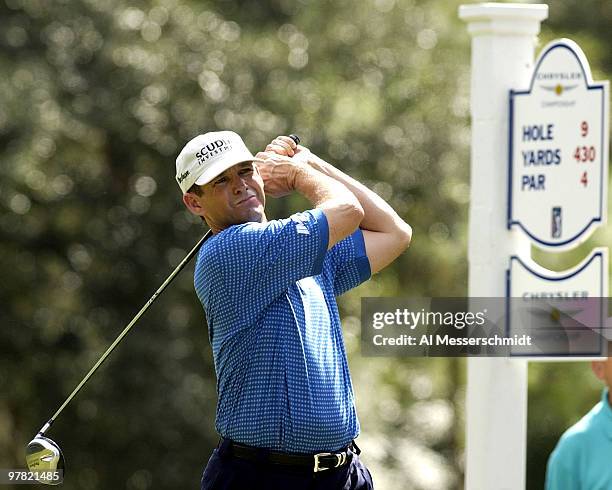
598,368
192,203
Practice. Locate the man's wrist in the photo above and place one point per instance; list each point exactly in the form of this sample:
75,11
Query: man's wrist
316,163
301,173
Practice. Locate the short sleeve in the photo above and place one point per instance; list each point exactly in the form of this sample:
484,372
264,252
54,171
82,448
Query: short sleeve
257,262
348,263
561,471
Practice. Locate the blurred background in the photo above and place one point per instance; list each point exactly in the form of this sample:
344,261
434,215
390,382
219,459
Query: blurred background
96,100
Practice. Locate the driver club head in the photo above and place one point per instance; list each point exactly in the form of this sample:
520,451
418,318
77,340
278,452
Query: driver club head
44,455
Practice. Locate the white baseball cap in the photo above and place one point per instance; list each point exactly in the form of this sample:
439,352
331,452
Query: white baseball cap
209,155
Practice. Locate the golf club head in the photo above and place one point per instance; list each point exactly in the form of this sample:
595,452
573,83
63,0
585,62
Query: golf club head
44,455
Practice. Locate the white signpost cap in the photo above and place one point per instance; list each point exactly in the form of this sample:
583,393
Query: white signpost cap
497,18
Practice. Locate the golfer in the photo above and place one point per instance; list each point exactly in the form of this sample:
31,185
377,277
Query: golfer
286,409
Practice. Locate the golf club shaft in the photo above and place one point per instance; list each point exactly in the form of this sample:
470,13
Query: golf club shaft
126,330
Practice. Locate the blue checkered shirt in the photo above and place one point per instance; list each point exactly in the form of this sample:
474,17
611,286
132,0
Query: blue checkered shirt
269,293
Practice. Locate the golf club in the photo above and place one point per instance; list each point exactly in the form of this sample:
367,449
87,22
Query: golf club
43,455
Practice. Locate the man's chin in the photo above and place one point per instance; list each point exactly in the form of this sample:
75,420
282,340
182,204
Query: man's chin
255,215
258,217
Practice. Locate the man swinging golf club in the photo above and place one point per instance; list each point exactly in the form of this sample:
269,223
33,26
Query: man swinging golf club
286,411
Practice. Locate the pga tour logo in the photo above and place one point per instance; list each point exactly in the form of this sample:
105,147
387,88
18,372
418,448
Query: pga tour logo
556,222
213,149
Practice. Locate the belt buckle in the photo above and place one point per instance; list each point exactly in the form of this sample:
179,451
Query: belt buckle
316,463
341,459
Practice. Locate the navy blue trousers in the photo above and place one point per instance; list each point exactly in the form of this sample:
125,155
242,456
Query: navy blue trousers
225,472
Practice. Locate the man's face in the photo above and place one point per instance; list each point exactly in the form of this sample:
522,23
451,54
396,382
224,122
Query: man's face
236,196
603,370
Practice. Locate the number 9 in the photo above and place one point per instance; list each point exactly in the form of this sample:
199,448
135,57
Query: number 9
584,128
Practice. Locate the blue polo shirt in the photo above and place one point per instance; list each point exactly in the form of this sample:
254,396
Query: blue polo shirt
268,291
582,459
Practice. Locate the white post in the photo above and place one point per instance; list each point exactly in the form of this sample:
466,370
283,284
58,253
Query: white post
503,42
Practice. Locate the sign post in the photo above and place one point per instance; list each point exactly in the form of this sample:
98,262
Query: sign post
553,193
503,44
558,190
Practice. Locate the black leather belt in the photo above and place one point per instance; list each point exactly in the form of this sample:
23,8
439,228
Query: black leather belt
314,462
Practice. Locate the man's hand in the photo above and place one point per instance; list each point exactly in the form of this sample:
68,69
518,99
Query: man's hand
285,146
282,145
278,173
277,167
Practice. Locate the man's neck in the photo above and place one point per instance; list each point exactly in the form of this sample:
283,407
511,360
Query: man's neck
218,229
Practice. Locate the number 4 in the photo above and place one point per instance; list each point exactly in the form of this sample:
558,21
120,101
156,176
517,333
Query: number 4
583,180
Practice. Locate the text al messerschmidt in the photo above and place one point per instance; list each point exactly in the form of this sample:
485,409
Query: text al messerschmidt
495,340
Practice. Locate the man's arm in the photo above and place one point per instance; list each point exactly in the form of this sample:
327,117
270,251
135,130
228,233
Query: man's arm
386,235
559,476
342,209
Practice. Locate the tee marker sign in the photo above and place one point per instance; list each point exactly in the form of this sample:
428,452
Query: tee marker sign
558,165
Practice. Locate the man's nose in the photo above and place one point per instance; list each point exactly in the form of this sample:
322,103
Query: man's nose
238,183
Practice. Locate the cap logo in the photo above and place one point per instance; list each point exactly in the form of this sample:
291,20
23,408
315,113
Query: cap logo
213,149
182,177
